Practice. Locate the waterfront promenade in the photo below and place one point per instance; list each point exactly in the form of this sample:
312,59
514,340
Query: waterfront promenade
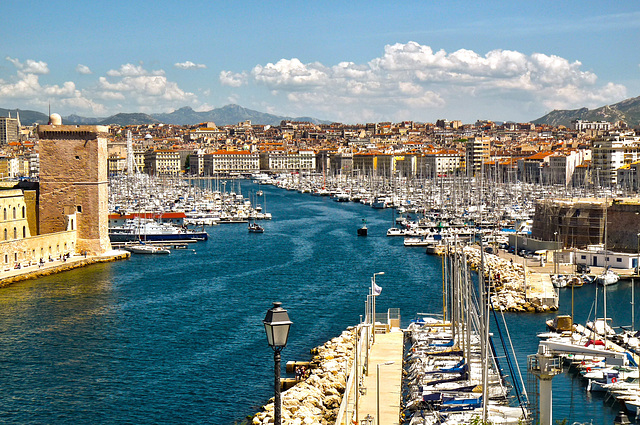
35,270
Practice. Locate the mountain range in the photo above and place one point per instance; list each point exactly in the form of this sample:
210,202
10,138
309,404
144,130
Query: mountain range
226,115
628,111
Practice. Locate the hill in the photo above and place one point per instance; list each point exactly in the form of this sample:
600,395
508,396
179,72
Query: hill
628,111
26,117
226,115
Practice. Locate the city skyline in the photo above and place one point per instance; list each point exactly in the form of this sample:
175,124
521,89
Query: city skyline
355,62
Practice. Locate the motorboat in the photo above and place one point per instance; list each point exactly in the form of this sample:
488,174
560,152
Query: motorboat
146,249
394,231
363,231
608,277
255,228
148,230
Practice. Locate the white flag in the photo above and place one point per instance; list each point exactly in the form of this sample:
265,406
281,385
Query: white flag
376,289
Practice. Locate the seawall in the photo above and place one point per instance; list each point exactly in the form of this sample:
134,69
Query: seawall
9,276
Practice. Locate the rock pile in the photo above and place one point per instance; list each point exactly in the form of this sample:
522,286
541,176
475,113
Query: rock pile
316,400
507,282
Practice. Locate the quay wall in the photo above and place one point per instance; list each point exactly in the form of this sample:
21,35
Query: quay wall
317,399
73,263
32,249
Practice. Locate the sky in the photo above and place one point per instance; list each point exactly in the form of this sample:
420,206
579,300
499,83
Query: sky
345,61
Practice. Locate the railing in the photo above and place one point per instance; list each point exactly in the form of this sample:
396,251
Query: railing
362,332
544,366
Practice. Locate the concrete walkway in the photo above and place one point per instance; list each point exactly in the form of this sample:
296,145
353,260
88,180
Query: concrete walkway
11,275
387,348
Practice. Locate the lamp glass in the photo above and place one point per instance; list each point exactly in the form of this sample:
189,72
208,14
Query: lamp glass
276,325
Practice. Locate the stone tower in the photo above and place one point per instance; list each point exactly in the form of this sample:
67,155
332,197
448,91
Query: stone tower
73,180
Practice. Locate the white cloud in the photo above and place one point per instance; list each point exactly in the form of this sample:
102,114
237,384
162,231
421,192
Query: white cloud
26,88
149,89
413,77
131,70
203,107
231,79
189,65
30,66
83,69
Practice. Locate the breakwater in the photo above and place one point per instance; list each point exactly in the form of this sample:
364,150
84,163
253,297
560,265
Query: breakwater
316,399
513,288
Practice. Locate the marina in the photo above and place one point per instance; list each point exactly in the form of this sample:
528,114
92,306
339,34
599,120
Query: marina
162,342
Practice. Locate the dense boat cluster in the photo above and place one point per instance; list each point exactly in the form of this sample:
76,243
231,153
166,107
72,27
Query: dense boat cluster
203,201
452,373
606,361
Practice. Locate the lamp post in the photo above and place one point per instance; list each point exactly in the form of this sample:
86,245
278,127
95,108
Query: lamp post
374,294
378,390
276,325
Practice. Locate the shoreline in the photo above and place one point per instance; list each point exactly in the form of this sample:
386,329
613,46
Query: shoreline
10,276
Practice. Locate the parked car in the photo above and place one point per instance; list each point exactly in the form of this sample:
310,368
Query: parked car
583,268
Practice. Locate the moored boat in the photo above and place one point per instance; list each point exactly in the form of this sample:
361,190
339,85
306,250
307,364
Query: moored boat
146,249
147,230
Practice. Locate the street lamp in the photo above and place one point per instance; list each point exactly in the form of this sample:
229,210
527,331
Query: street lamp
276,325
378,390
374,294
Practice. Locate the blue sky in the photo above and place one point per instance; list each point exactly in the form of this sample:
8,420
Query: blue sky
355,61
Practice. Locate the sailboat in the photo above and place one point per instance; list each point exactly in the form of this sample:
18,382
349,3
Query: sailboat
142,248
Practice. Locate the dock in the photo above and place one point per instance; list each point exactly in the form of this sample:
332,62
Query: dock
387,348
35,270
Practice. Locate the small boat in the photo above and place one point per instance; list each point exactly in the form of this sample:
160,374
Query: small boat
363,230
608,277
395,231
146,249
255,228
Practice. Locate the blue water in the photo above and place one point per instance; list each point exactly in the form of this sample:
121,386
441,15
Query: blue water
179,339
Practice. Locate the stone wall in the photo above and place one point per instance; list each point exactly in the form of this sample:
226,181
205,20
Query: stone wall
36,247
73,178
582,222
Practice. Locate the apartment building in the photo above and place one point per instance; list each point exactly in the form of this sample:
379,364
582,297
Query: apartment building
9,130
478,150
439,163
582,125
162,162
611,152
288,161
562,166
226,162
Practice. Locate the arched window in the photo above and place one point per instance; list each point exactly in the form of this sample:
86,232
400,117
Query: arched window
72,224
15,233
5,234
24,213
24,231
14,212
5,213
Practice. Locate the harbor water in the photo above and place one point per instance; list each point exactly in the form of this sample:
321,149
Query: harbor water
179,338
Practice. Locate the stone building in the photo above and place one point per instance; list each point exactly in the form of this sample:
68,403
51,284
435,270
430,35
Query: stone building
581,222
73,183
